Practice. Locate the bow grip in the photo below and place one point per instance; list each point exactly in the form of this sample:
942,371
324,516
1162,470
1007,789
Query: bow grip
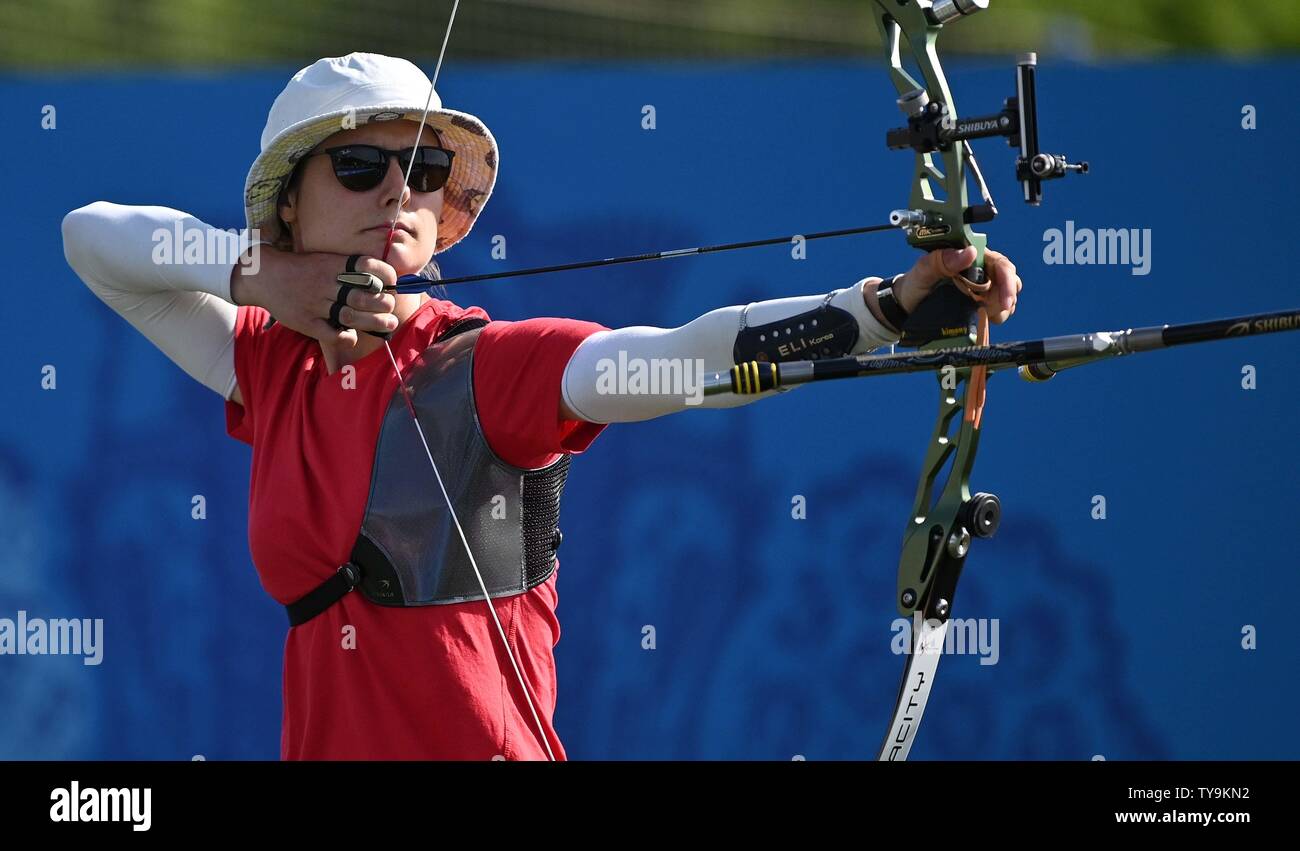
947,313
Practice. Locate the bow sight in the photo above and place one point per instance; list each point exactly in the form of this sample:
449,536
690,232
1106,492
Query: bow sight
938,215
931,126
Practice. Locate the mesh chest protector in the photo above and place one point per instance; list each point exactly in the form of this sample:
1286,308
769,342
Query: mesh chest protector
408,552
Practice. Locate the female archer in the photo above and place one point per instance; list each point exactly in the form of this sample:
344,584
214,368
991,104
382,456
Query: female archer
435,495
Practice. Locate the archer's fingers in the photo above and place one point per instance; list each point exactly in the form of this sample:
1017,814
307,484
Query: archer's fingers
321,330
379,269
366,320
946,263
1006,286
366,310
362,309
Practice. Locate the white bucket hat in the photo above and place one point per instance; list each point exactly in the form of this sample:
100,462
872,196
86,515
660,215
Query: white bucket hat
343,92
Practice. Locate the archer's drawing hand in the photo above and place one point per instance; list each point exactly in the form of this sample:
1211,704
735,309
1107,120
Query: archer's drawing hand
299,290
935,266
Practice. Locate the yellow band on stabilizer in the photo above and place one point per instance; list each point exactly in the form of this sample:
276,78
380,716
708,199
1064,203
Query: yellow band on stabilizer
746,378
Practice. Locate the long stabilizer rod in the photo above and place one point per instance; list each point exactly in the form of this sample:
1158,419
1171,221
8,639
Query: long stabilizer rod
1038,360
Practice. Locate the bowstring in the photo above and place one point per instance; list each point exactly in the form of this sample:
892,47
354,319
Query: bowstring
410,404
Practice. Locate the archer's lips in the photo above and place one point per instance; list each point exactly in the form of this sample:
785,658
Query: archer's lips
401,228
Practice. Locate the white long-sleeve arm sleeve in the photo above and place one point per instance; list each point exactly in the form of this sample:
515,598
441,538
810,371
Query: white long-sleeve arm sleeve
183,308
705,342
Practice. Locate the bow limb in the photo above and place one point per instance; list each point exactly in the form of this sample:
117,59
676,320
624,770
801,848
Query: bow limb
939,216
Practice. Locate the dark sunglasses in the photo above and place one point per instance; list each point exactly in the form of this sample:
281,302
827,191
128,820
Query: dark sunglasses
362,167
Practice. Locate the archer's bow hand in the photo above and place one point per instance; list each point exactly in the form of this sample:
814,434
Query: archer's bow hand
998,296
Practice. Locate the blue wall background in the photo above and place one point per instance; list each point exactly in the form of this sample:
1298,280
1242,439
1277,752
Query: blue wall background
1119,637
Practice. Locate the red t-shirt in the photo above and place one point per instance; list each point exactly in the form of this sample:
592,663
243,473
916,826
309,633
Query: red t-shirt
363,681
